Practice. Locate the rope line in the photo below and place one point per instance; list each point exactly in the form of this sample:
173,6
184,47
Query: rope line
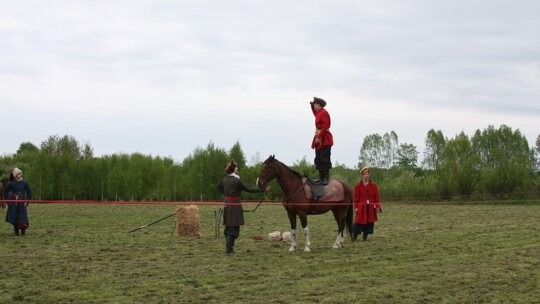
270,202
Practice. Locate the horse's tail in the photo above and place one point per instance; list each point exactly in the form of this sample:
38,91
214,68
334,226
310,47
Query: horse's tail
350,211
349,219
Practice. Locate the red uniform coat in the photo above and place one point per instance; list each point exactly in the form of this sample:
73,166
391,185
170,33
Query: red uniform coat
322,124
366,211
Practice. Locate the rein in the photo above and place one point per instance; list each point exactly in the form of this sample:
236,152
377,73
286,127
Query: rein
253,210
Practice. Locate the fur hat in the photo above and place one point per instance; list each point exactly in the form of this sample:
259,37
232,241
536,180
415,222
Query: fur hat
16,171
366,168
230,167
320,101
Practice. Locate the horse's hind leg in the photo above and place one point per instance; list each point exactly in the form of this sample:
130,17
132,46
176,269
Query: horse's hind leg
292,220
340,220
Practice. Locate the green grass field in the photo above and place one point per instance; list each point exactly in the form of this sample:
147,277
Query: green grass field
418,254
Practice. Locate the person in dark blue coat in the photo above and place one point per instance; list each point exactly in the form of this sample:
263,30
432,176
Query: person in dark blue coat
17,213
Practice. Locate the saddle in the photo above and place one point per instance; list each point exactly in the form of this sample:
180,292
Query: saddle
333,192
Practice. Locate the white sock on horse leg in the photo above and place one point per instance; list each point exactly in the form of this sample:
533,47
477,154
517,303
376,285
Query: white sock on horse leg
308,239
337,244
293,240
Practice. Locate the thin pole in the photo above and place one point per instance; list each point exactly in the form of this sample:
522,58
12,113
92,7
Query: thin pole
143,226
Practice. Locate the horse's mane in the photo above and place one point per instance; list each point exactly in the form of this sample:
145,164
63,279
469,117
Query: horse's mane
291,170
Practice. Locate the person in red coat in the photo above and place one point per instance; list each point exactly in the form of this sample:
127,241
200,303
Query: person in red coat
366,204
322,140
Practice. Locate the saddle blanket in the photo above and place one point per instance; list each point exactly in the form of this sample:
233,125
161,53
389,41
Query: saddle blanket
333,192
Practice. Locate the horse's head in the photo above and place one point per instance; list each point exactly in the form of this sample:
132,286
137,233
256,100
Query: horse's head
268,172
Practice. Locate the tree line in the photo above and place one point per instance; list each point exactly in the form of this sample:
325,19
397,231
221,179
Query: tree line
493,163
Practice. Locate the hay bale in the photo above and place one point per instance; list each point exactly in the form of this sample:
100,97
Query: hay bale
187,221
286,236
274,236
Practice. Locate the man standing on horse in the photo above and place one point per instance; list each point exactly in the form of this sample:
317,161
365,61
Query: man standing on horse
322,140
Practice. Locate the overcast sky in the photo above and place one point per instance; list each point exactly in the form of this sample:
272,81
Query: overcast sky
166,77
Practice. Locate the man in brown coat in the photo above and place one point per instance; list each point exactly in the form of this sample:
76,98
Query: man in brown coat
233,215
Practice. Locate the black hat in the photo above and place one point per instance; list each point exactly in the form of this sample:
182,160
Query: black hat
320,101
230,167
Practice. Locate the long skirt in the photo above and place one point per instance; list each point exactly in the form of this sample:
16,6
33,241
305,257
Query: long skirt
17,214
363,228
233,217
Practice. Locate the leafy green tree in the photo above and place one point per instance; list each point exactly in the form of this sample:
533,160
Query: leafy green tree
102,167
134,176
371,152
379,151
39,174
500,161
89,179
116,177
407,156
204,168
67,183
238,155
537,153
66,145
87,152
435,143
390,149
461,164
175,174
508,161
27,147
6,165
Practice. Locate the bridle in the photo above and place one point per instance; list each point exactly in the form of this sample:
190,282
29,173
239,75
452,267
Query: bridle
265,183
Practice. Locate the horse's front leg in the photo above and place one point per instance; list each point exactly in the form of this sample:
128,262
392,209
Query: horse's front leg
292,220
303,221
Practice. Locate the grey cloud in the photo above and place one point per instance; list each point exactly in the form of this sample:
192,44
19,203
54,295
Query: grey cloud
459,55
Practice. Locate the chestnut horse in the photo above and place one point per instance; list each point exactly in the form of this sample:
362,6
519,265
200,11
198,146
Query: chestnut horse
297,203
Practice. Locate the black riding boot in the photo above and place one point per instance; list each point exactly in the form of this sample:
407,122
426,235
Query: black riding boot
321,177
325,177
354,236
229,245
23,231
364,236
16,229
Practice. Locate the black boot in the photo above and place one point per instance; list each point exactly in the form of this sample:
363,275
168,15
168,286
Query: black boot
354,236
23,231
321,177
16,229
229,245
364,236
325,177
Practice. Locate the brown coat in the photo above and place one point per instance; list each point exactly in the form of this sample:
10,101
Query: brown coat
232,186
